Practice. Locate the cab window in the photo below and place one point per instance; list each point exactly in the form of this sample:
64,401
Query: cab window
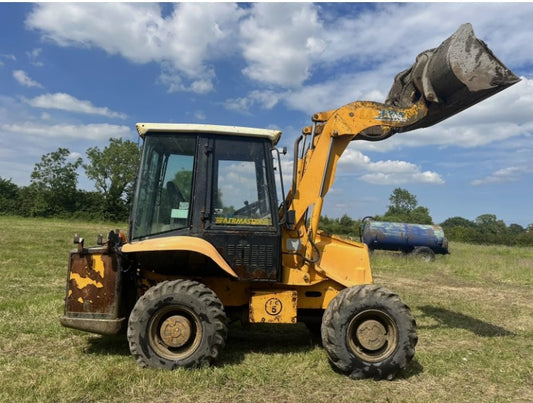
163,199
241,192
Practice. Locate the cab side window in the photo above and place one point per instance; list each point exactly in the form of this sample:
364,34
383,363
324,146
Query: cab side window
241,193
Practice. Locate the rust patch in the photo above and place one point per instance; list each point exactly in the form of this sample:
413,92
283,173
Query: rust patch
92,283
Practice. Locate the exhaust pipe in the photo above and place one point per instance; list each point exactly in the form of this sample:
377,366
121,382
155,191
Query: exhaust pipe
461,72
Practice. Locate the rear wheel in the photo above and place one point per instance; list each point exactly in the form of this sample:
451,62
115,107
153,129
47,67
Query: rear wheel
368,331
424,253
177,323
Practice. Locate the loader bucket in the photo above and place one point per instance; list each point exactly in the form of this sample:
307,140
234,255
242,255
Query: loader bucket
461,72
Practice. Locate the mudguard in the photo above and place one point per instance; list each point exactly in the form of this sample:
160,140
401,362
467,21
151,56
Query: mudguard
186,243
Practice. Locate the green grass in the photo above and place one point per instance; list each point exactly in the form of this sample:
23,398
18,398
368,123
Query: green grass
473,308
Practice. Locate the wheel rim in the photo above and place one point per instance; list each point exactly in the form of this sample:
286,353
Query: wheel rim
424,254
174,332
372,335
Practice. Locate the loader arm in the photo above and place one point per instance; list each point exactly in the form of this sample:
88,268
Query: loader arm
331,133
443,81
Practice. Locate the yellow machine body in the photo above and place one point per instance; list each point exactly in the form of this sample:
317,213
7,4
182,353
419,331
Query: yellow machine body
194,258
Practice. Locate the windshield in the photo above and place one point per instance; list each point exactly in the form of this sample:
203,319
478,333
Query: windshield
163,197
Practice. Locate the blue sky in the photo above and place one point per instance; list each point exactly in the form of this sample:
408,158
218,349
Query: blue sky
75,74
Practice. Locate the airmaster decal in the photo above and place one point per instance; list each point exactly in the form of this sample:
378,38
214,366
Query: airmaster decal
242,221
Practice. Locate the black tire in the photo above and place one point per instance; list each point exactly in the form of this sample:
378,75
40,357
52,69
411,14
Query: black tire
368,332
178,323
424,253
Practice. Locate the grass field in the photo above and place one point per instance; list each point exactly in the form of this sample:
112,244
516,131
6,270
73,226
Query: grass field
473,309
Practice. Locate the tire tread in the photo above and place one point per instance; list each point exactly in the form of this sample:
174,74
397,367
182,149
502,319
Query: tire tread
215,314
334,341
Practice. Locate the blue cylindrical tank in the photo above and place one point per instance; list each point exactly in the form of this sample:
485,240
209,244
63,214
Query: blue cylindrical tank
403,237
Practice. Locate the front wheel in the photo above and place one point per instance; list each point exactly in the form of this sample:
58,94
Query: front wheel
178,323
368,331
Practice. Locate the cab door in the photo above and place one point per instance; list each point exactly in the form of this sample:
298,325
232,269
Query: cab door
242,219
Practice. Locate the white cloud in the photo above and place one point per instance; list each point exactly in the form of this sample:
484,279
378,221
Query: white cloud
27,136
504,175
69,103
200,115
385,172
173,80
74,156
6,57
183,42
399,172
241,105
33,57
280,43
353,160
284,44
332,94
110,26
395,33
237,183
94,132
362,62
265,99
25,80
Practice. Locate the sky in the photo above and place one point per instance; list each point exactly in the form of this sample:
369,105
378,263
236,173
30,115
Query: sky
74,75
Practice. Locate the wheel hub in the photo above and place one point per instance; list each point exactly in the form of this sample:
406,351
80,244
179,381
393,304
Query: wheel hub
372,335
175,331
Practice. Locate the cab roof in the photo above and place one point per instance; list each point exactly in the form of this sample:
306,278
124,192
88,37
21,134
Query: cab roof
272,135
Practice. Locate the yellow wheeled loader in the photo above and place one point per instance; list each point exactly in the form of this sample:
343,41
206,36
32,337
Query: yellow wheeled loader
208,241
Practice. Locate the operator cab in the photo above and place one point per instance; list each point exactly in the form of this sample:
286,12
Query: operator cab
212,182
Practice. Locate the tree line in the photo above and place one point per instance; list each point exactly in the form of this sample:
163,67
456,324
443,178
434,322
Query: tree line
485,229
53,190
